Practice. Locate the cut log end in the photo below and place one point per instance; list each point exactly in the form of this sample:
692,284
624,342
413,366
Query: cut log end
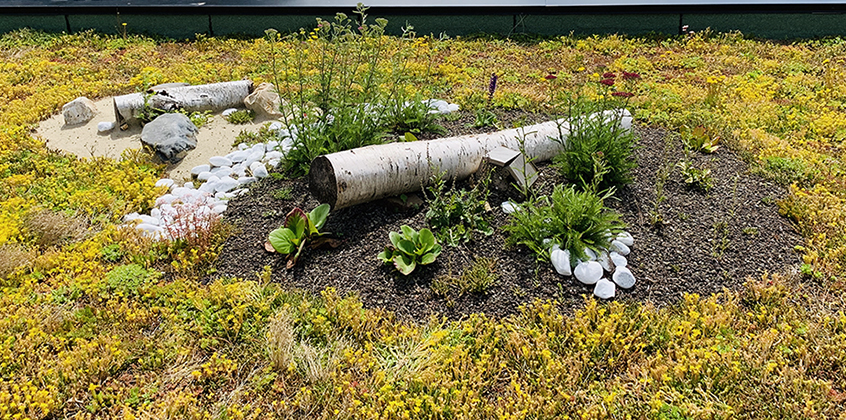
322,181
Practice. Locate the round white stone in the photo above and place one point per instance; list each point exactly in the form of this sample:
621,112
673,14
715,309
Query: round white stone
228,111
591,255
150,220
222,171
244,180
620,248
275,126
604,260
131,217
238,156
258,169
149,228
105,126
218,209
271,145
510,207
588,272
166,199
561,261
273,163
623,277
204,176
617,259
604,289
225,184
165,182
208,187
243,146
219,161
626,238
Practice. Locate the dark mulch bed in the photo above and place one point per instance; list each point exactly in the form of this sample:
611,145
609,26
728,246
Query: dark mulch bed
710,241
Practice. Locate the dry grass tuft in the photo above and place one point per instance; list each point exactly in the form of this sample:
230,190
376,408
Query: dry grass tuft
12,257
50,229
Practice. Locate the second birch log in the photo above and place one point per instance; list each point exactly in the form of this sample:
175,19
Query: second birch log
368,173
210,97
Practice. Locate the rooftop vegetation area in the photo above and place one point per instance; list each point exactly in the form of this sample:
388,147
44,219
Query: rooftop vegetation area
99,321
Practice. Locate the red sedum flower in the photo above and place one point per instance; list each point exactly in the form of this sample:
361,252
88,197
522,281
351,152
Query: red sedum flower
607,82
622,94
627,75
608,75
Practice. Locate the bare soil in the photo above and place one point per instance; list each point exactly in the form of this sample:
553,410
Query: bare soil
708,240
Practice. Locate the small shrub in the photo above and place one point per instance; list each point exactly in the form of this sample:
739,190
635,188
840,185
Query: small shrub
699,140
299,230
456,214
412,117
282,193
411,248
200,119
13,257
263,135
485,118
478,278
574,219
591,136
786,171
241,116
696,178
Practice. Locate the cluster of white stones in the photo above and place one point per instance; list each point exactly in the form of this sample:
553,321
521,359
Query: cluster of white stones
223,178
591,271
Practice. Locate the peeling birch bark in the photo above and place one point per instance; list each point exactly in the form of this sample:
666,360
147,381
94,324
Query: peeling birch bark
211,97
368,173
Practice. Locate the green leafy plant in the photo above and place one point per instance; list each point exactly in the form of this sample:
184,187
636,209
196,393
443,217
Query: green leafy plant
696,178
596,132
299,230
199,118
410,248
699,140
263,135
412,116
128,279
241,116
484,118
457,214
575,219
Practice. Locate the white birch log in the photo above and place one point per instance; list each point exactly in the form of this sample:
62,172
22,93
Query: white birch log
211,97
360,175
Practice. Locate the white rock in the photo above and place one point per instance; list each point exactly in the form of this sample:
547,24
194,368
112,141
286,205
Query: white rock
243,146
157,213
620,248
219,161
623,277
240,191
271,145
166,199
258,169
150,220
618,260
228,111
208,187
222,171
561,261
604,289
226,184
244,180
510,207
204,176
273,163
605,261
453,107
149,228
131,217
165,182
590,254
189,184
218,209
180,192
259,147
105,126
256,155
626,238
274,155
286,145
275,126
238,156
78,111
588,272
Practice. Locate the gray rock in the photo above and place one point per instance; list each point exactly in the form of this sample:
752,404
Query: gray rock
604,289
588,272
170,136
623,277
561,262
78,111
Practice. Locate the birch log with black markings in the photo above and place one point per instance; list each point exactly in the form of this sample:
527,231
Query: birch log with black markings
368,173
210,97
